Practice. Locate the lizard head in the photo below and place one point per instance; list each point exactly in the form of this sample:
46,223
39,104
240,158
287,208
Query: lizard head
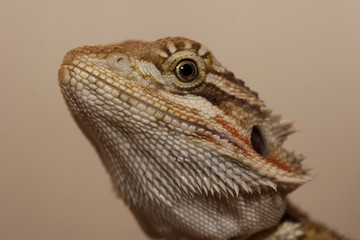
168,119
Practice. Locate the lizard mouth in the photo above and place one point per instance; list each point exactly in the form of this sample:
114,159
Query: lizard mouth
64,78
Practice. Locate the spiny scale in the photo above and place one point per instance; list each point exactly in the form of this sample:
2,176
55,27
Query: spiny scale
196,154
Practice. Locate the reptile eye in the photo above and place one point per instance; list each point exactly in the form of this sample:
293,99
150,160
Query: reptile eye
186,70
258,142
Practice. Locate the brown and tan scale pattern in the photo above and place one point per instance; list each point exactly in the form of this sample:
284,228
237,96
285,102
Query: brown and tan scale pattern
181,153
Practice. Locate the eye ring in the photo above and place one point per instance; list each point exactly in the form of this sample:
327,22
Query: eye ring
186,70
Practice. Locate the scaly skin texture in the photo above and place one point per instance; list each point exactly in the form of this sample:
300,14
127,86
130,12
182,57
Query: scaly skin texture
193,151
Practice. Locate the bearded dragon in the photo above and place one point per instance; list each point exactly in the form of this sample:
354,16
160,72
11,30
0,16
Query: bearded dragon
190,148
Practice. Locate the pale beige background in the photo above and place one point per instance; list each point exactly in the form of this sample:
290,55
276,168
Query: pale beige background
303,58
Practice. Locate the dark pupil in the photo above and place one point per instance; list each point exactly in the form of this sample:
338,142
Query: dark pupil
258,142
187,70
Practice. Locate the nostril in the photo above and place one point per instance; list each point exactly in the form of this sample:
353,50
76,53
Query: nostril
118,61
258,142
